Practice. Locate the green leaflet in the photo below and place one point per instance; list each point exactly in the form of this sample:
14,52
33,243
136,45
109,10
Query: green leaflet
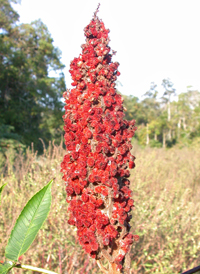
28,223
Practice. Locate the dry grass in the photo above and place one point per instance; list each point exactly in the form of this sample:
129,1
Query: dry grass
166,189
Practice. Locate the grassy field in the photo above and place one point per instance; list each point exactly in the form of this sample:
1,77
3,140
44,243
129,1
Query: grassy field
166,190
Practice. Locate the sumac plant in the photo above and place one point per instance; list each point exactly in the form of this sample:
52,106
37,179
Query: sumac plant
98,158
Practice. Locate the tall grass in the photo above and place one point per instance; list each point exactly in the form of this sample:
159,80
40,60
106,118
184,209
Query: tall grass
166,190
166,187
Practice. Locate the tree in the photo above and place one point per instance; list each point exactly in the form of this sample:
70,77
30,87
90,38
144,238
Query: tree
133,108
8,16
30,100
169,91
193,115
151,109
184,111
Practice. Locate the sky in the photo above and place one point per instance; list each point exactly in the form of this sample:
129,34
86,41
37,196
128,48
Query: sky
154,39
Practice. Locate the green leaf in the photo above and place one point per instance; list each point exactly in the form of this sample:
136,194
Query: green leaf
6,267
28,223
1,188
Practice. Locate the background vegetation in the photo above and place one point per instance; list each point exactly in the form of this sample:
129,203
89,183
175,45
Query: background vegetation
165,182
166,190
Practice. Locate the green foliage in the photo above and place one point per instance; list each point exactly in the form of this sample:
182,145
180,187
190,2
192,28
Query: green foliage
8,138
141,134
170,143
6,267
7,15
29,222
10,144
155,143
30,100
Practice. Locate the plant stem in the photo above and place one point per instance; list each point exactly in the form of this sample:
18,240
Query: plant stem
41,270
113,269
103,269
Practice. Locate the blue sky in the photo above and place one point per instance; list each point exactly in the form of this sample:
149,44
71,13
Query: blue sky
154,39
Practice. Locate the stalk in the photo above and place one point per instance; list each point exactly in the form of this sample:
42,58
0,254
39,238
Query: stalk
41,270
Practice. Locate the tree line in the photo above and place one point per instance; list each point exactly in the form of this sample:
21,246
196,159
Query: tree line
162,122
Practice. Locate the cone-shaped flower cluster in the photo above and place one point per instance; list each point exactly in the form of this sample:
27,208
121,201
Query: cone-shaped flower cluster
98,142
